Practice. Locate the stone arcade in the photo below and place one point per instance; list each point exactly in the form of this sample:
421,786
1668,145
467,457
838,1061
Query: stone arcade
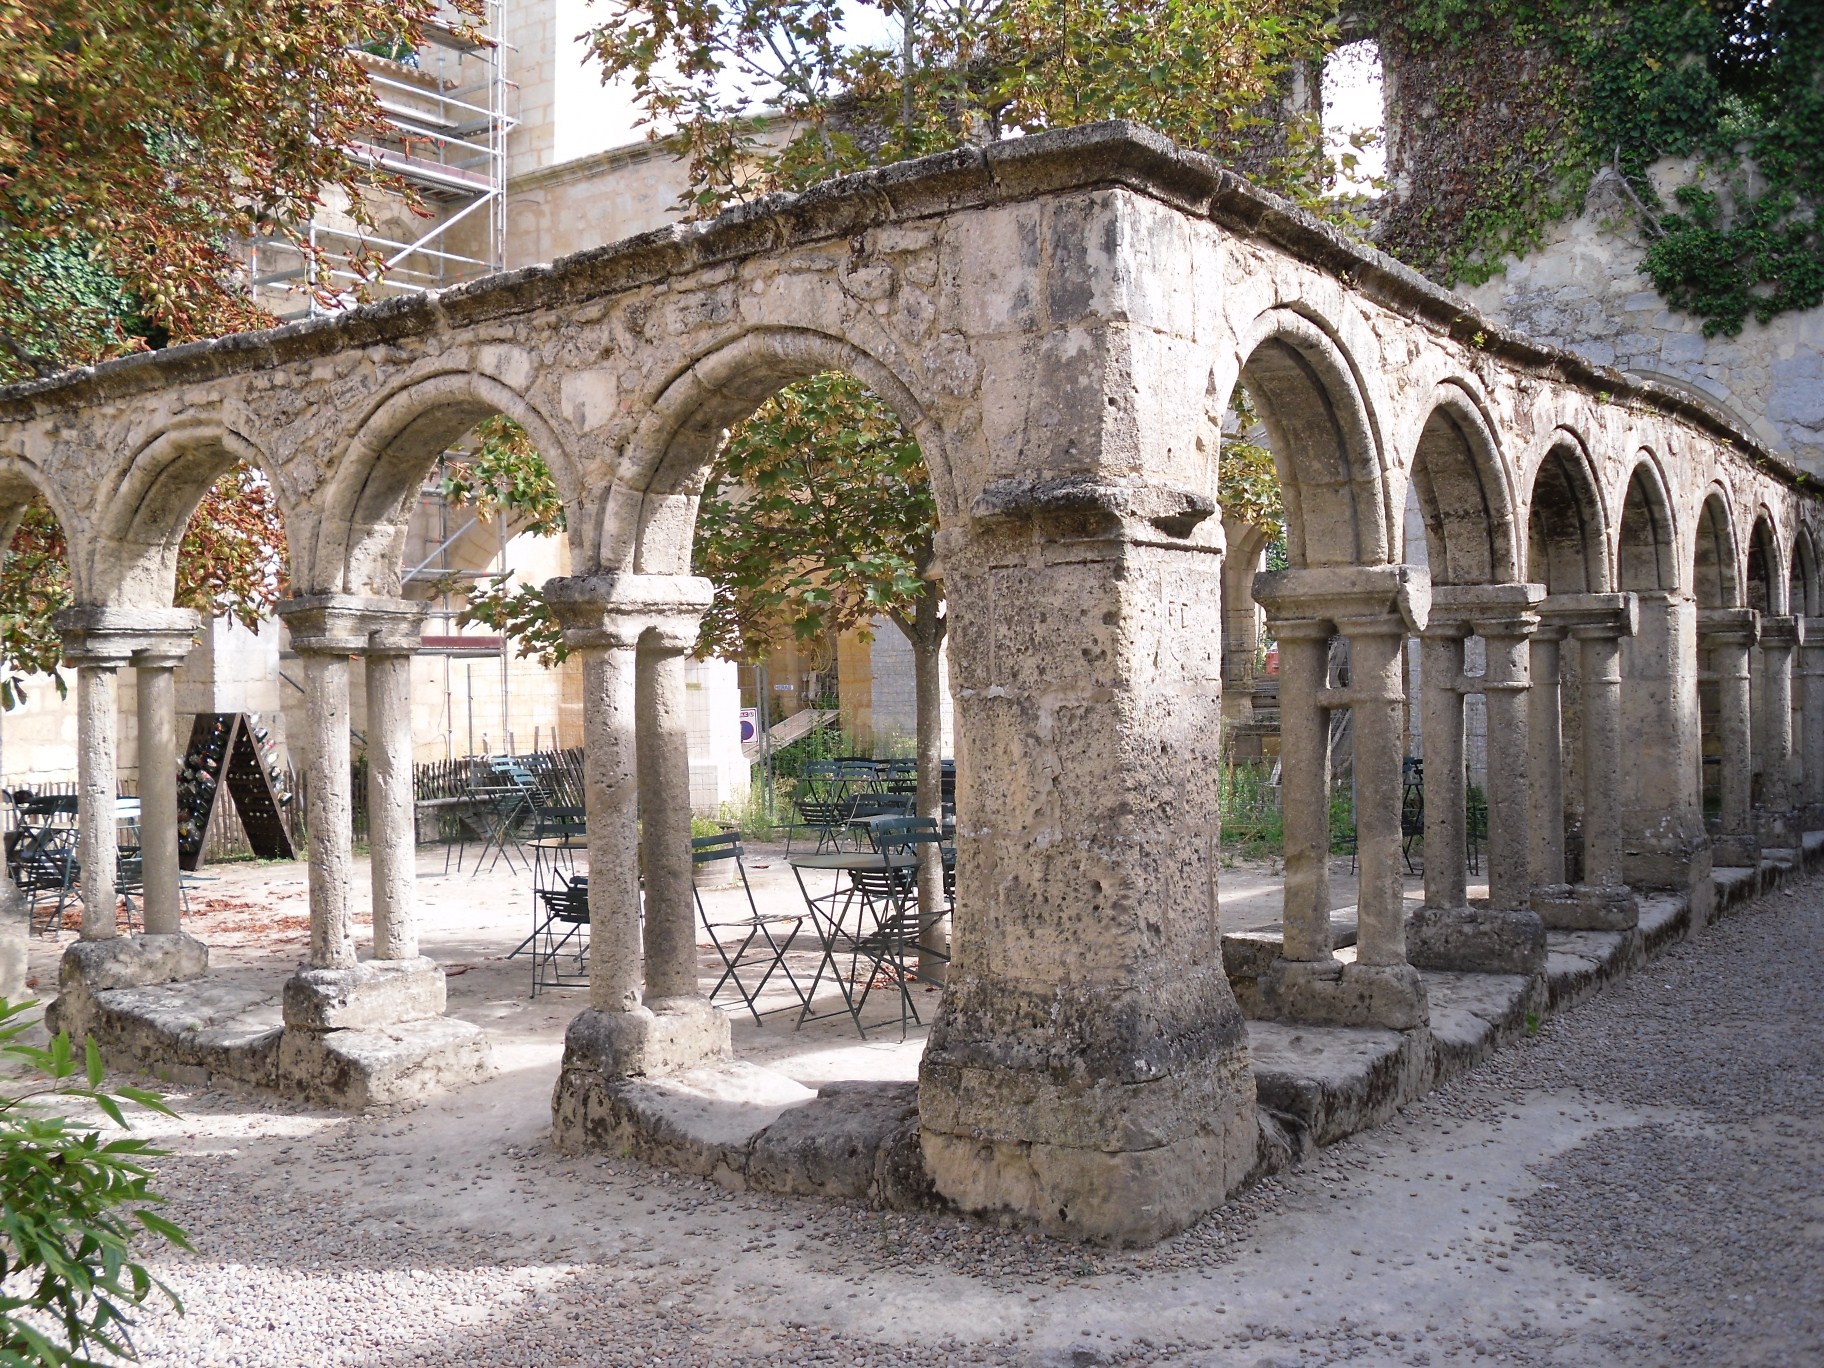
1060,320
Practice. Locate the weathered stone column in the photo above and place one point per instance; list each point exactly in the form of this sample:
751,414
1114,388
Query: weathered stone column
1545,769
1441,724
1088,1067
1811,703
154,670
1727,635
663,728
1304,787
97,775
1376,696
1597,622
617,962
97,642
1375,608
392,836
1507,936
329,814
1664,843
606,618
1781,638
327,631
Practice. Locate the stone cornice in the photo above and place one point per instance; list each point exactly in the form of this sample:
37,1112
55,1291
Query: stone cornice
1116,153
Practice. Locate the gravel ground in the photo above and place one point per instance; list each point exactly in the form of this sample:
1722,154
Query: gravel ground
1635,1184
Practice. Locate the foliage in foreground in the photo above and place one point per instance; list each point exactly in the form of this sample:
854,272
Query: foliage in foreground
75,1203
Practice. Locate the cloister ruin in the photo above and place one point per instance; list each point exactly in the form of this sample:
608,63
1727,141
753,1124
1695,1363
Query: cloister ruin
1060,321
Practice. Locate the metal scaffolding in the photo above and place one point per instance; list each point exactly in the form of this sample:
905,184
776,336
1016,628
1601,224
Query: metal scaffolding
446,138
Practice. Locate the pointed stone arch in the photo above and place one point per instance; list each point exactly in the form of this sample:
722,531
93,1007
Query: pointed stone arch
1646,543
1764,580
1715,576
1802,592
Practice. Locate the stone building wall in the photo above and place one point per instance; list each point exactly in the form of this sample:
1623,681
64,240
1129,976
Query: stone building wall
1583,291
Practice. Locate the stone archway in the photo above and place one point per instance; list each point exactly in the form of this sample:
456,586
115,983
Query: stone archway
1728,631
1472,546
1575,710
1341,587
1061,850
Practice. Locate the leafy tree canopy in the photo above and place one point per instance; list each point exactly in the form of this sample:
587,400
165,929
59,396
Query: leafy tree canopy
818,519
1529,100
764,95
142,144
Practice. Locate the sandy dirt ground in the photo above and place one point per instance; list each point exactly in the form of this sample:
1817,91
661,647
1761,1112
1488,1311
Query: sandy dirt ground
1635,1184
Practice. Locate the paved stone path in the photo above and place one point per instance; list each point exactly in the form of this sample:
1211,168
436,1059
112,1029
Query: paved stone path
1636,1184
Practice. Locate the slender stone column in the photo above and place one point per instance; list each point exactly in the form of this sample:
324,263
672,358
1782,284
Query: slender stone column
605,619
663,729
1811,732
1602,901
1604,892
97,641
1505,937
158,786
1506,687
1728,634
391,816
98,847
327,630
1441,724
1375,608
330,811
617,966
1545,768
1377,698
1304,778
1781,638
1664,843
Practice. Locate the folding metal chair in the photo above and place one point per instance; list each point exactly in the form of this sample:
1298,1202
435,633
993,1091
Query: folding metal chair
763,943
561,936
915,836
43,859
828,817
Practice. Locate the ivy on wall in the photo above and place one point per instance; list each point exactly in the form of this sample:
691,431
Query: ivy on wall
1509,110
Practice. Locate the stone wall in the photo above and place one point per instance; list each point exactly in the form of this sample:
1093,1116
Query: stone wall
1583,291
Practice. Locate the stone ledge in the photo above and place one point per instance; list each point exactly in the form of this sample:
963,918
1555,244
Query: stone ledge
1476,940
1335,1080
226,1029
367,1068
1315,1085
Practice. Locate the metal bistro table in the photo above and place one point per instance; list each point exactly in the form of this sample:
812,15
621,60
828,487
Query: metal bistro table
880,892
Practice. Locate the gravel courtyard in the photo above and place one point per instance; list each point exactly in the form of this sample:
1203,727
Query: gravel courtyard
1639,1183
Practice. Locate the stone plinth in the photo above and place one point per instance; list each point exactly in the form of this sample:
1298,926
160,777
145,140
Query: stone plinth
373,993
98,966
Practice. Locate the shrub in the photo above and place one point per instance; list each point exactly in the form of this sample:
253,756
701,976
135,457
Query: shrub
74,1203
